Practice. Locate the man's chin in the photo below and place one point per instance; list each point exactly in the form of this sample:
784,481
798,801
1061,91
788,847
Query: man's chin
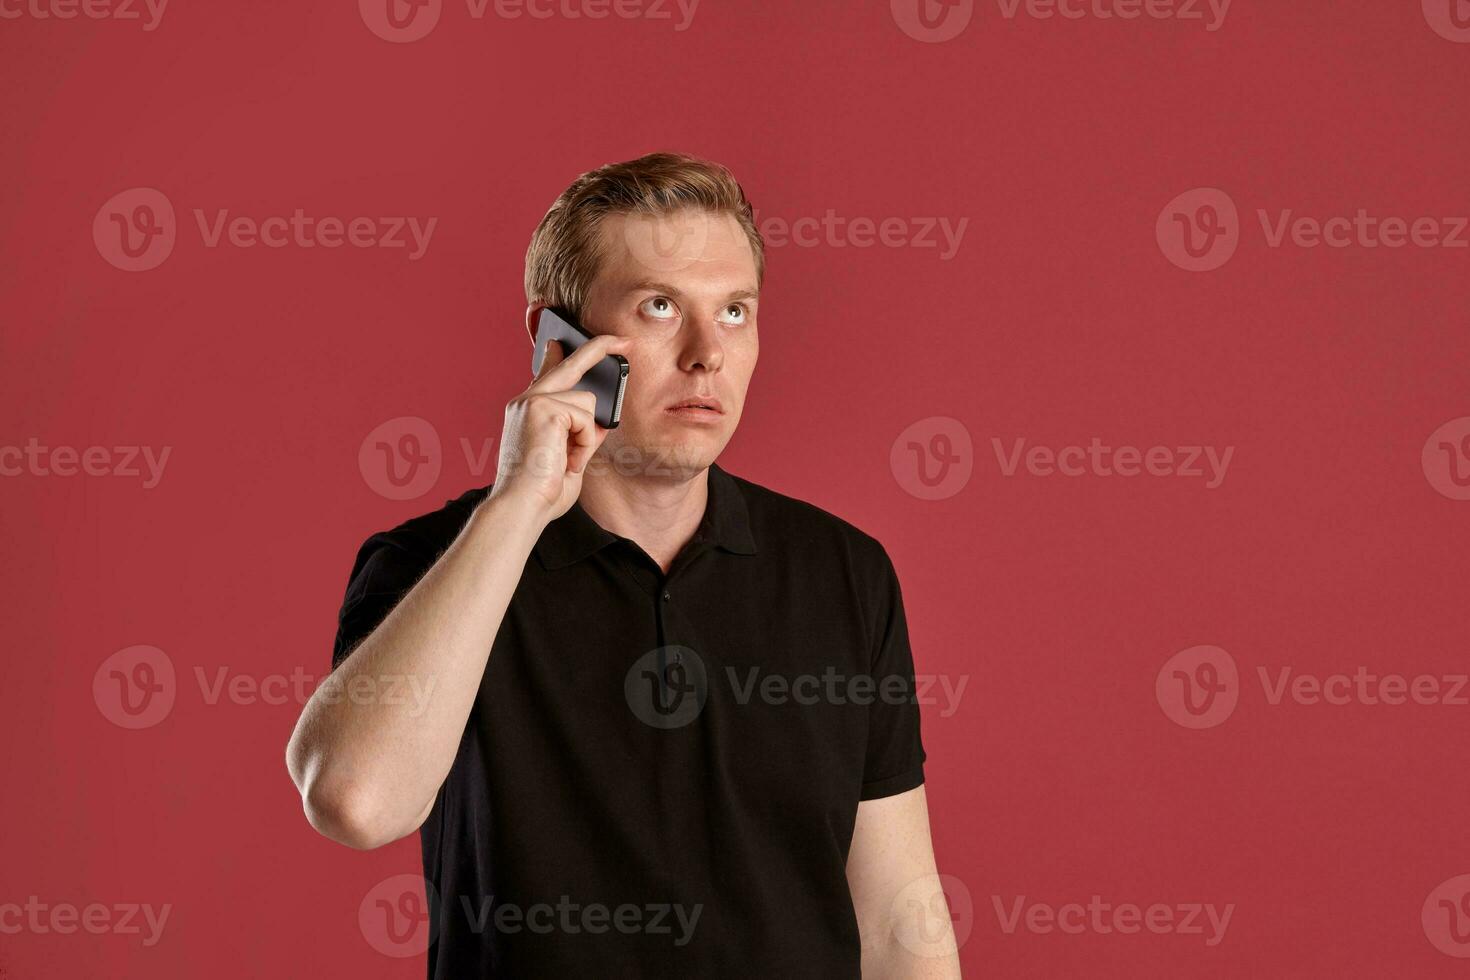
678,458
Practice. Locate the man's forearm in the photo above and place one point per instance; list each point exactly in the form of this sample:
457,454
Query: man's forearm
368,770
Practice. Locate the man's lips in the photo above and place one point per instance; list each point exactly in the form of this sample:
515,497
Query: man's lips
711,405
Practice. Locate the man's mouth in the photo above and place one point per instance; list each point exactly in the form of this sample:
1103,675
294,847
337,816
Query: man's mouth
710,405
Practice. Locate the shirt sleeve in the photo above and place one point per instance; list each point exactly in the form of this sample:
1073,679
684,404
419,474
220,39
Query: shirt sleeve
895,755
387,567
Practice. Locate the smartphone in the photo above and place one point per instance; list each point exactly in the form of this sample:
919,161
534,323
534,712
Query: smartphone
607,379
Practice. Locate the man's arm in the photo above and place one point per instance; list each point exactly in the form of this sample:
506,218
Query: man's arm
901,911
368,771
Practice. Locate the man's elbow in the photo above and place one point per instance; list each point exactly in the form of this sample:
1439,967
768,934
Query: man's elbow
350,813
341,808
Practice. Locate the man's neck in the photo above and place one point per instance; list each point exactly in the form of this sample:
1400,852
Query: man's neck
660,514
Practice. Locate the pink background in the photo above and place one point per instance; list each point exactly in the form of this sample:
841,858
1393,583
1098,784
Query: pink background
1059,319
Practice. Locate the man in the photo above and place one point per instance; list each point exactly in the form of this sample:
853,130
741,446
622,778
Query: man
670,727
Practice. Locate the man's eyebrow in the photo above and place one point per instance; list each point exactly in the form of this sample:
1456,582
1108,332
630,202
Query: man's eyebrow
747,292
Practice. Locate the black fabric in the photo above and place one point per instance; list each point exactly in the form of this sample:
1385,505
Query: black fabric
562,796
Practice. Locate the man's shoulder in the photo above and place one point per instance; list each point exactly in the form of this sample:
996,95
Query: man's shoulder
780,520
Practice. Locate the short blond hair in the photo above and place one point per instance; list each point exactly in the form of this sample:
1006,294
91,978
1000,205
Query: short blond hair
564,256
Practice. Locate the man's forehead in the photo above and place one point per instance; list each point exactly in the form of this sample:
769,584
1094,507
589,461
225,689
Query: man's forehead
640,250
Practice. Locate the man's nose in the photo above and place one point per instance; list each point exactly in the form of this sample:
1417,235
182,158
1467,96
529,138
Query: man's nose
702,347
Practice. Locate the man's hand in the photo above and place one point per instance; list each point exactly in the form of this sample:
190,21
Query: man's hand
550,434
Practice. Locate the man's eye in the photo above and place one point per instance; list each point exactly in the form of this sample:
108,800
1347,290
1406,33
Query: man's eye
734,314
660,308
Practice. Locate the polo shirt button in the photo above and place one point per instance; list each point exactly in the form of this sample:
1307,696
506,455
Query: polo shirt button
666,597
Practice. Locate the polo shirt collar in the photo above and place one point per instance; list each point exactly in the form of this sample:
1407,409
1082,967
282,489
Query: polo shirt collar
726,524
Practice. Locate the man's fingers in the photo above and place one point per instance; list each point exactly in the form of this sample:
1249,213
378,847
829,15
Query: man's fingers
584,400
584,435
583,443
572,412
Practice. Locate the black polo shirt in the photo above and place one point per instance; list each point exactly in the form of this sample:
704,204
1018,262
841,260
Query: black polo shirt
661,773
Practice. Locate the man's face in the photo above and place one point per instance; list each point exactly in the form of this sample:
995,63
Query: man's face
683,287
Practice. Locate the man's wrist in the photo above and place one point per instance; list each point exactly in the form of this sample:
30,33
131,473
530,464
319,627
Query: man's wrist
511,511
